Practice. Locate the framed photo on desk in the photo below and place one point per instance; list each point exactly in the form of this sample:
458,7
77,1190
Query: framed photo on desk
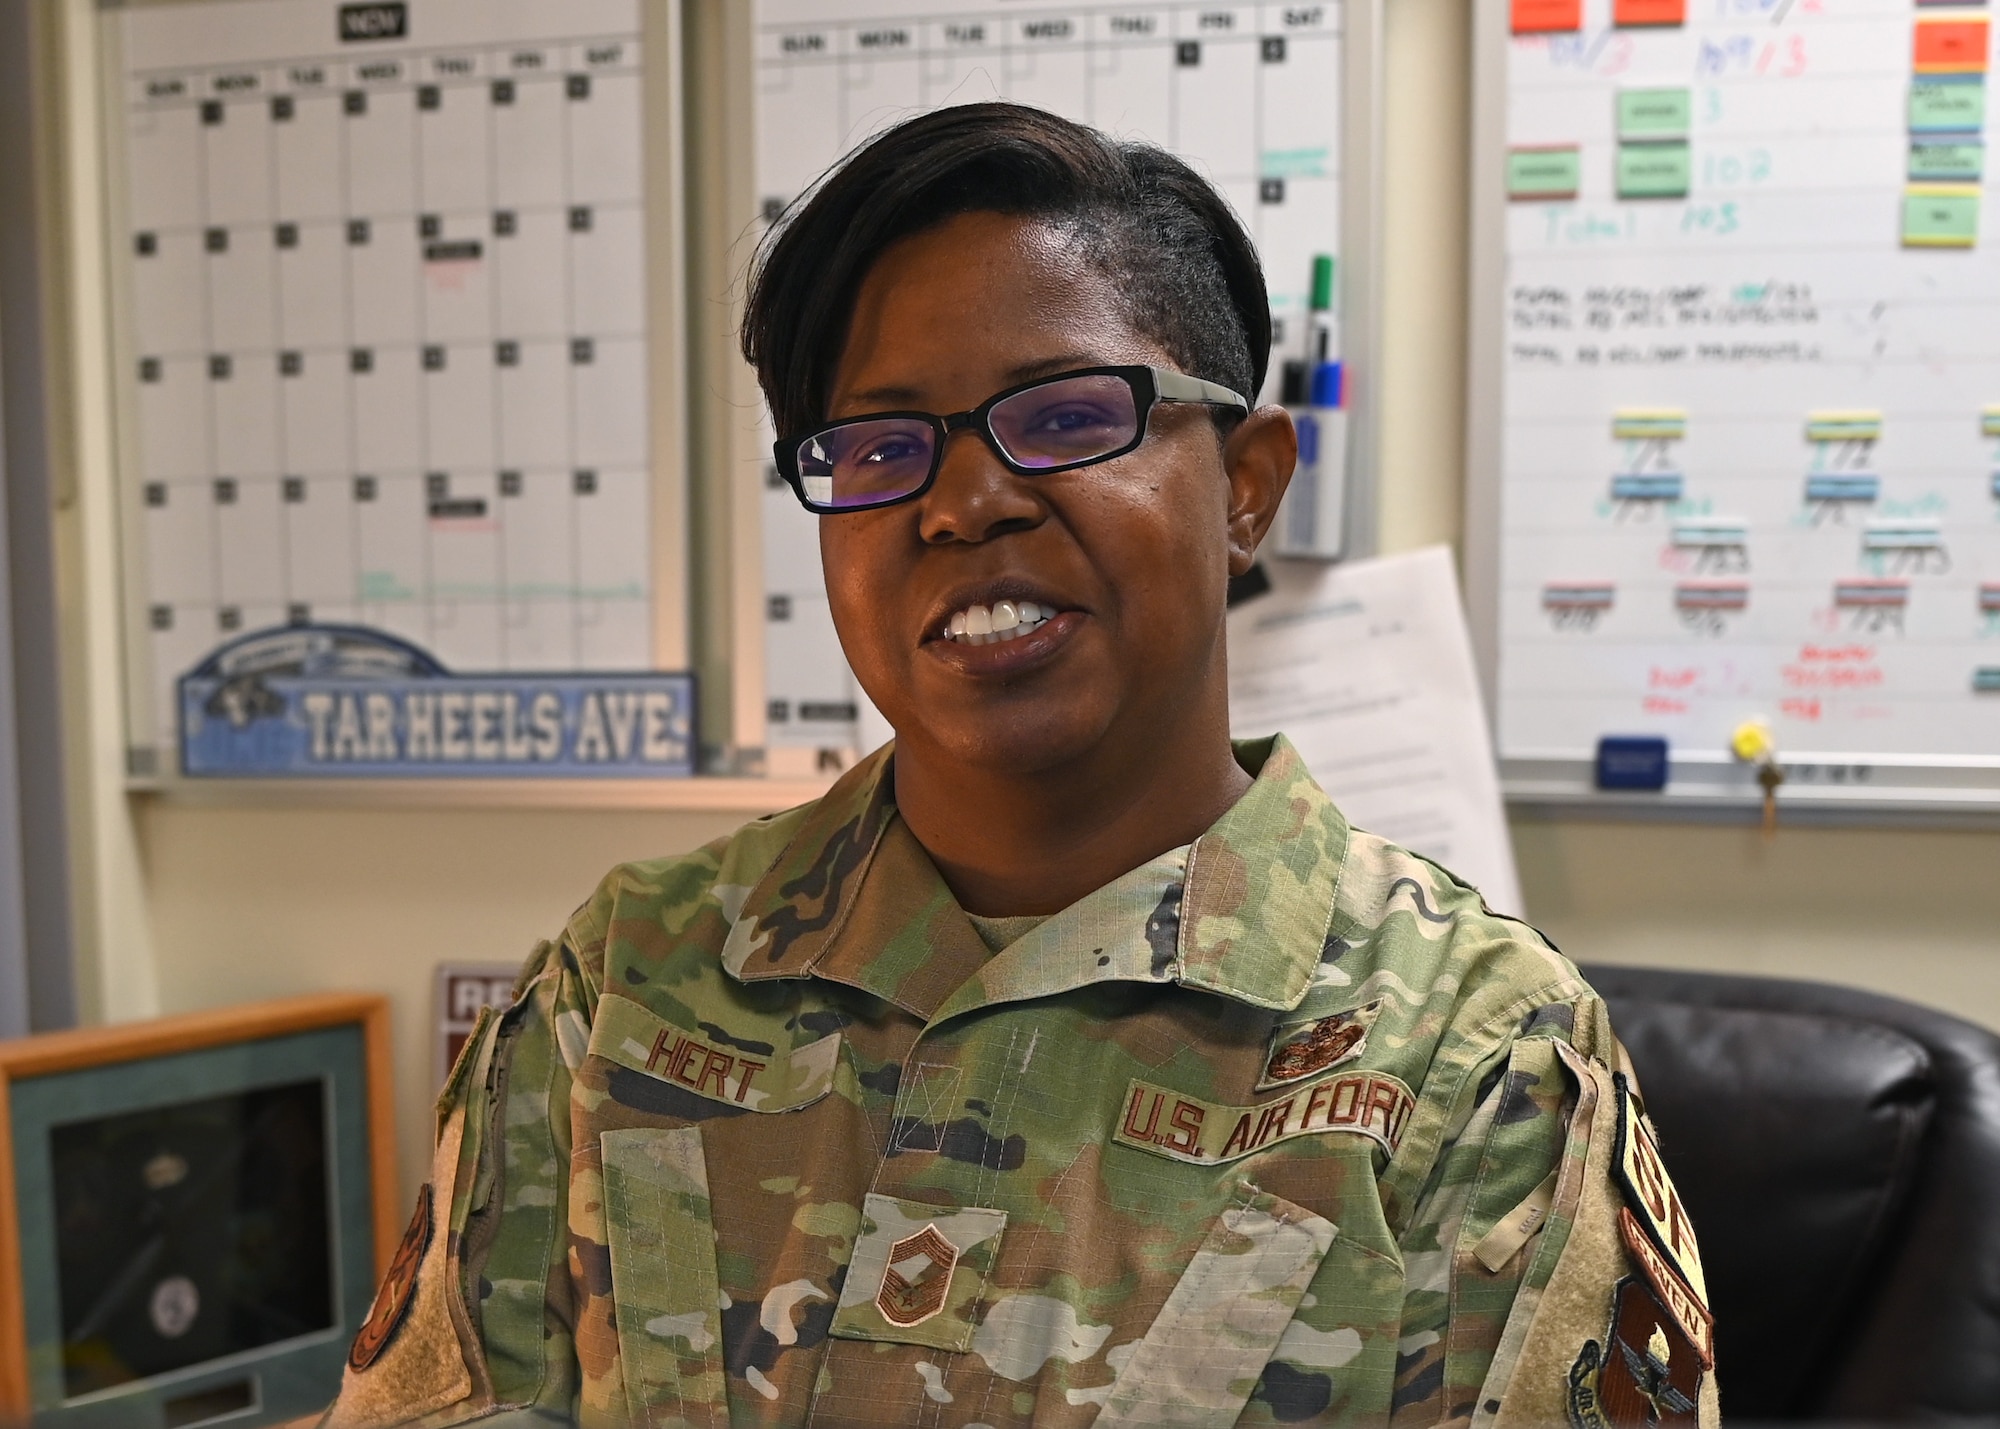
194,1212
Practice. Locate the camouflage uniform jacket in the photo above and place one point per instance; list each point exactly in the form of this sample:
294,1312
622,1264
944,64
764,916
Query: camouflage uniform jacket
1282,1126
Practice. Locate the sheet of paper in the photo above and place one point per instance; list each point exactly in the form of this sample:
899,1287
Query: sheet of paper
1367,668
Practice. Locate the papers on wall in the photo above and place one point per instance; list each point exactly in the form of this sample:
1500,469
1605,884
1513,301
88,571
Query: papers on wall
1367,668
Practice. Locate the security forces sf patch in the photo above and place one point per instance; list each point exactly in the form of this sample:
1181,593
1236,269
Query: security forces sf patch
398,1287
917,1278
1643,1375
1299,1049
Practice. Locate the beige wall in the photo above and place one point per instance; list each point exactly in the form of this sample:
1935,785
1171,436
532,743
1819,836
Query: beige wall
251,903
243,902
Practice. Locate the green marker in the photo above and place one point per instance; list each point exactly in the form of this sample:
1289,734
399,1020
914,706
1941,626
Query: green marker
1322,307
1322,295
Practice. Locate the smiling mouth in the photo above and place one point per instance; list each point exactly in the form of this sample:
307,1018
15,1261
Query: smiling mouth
998,623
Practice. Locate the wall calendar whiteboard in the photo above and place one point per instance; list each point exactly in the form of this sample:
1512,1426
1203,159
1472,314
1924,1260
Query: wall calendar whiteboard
386,312
1270,102
1735,441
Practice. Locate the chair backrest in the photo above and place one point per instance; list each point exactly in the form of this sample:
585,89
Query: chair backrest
1839,1152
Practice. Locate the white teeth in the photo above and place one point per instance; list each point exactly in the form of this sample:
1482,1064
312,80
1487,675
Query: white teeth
1005,620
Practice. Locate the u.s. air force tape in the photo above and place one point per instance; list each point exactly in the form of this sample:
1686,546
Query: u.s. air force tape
1170,1123
735,1075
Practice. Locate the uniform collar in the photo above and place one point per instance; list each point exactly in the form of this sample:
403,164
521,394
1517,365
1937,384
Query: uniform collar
1243,911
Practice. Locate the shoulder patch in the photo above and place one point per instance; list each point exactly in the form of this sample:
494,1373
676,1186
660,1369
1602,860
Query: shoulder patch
1689,1313
1173,1124
1644,1374
399,1286
1651,1194
628,1034
1299,1049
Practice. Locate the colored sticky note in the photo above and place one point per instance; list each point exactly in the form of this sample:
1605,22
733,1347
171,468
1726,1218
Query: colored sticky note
1541,17
1654,113
1544,173
1948,104
1629,13
1649,423
1654,170
1940,216
1989,422
1854,425
1952,46
1948,160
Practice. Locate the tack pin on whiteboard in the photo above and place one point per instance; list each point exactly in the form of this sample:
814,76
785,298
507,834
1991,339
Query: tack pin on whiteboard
1752,743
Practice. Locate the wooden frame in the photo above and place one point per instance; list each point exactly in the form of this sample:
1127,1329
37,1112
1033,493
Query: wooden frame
57,1052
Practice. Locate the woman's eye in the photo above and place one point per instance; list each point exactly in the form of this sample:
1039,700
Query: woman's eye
890,449
1069,419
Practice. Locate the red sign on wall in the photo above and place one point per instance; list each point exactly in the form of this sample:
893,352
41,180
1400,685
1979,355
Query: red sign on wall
462,990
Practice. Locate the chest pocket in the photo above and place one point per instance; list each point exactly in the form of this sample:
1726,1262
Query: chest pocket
650,1342
1225,1316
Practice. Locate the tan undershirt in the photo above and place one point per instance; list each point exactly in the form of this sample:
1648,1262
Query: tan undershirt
998,933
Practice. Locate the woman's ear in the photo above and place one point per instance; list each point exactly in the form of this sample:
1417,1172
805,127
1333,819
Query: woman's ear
1258,459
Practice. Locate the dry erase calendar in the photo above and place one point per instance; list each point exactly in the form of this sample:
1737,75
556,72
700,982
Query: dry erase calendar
384,275
1736,410
1269,102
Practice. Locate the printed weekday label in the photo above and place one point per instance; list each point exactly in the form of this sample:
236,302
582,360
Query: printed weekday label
734,1075
1170,1123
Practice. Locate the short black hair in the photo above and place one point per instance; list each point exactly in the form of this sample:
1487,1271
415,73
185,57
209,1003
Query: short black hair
1187,271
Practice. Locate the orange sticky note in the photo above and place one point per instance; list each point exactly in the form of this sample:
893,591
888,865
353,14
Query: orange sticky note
1541,17
1632,13
1951,46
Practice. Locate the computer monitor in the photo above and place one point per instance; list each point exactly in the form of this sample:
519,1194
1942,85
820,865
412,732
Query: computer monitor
193,1213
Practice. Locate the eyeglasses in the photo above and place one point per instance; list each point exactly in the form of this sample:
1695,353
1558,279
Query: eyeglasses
1052,424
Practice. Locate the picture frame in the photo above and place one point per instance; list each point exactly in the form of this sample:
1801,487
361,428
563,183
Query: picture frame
194,1212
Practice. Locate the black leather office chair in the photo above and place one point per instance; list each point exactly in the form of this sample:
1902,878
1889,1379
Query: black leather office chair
1839,1152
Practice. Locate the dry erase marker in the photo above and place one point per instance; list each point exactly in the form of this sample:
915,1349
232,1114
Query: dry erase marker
1324,339
1312,522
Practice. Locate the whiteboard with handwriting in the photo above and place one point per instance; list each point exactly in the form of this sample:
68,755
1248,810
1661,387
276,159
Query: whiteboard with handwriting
385,283
1735,441
1251,94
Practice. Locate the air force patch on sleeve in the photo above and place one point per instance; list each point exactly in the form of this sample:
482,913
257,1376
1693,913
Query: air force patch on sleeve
1299,1049
1654,1201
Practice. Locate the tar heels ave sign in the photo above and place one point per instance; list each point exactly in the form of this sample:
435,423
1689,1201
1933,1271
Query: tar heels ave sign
346,702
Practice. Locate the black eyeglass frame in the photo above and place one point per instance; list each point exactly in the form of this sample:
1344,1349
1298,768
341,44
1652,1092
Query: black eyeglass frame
1150,387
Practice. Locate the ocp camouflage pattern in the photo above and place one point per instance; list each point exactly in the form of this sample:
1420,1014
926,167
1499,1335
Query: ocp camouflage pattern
748,1083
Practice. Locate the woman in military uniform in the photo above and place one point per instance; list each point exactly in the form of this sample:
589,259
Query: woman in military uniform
1065,1064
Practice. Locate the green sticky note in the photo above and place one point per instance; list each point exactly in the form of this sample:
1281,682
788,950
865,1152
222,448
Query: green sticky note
1948,160
1654,113
1654,170
1940,216
1544,173
1947,104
